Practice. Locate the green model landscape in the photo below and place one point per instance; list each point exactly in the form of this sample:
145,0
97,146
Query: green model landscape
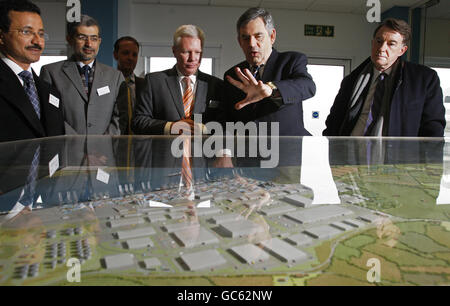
412,243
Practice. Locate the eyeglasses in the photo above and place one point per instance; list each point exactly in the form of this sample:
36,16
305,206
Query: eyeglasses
82,37
29,33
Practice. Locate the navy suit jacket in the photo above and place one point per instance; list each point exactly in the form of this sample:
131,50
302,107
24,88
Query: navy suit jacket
417,108
287,70
18,119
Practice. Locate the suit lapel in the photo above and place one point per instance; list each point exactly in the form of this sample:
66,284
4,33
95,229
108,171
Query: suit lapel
200,95
44,96
71,70
14,94
174,89
98,77
267,73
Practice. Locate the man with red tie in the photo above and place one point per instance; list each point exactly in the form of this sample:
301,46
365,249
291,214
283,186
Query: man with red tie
170,98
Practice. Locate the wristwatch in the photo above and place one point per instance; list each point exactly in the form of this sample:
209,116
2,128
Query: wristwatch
274,90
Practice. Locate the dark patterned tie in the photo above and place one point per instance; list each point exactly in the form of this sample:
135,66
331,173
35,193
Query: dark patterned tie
375,107
86,70
30,89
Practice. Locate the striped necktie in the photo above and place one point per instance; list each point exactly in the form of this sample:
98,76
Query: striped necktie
130,92
129,83
186,167
30,89
188,98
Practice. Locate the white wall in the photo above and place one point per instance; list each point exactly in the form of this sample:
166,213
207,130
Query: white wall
54,18
153,23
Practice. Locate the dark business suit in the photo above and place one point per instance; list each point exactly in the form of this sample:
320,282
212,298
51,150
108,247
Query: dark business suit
18,119
416,108
161,101
288,72
122,103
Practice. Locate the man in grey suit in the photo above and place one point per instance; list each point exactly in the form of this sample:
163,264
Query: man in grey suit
89,89
170,98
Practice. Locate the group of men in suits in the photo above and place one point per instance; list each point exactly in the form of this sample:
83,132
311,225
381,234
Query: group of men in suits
268,87
82,96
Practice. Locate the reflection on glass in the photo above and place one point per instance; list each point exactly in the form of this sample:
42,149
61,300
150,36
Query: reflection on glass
245,223
444,190
316,172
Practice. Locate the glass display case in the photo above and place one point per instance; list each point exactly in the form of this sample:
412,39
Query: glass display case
294,211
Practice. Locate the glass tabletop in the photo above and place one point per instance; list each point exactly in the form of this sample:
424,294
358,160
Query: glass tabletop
237,210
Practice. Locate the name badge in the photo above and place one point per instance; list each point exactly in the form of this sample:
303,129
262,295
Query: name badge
54,101
53,165
103,91
102,176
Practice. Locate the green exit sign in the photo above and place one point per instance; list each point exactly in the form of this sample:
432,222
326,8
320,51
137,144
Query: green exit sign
319,30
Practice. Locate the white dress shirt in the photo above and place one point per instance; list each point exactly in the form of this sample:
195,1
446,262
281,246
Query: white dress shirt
14,67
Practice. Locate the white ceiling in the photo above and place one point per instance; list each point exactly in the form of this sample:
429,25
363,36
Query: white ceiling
335,6
442,10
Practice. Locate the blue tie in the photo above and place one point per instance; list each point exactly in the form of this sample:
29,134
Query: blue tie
255,71
30,89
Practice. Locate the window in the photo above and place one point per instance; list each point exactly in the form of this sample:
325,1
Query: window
328,75
159,56
444,76
44,60
163,63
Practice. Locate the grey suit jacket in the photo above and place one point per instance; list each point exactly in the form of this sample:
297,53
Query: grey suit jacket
94,115
160,101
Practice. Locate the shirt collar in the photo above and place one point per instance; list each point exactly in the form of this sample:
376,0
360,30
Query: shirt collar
263,64
132,78
81,64
13,65
181,76
376,72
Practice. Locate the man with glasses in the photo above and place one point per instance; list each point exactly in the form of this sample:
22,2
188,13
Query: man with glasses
89,89
29,108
